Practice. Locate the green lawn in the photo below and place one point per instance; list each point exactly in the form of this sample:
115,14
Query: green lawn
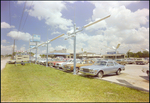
37,83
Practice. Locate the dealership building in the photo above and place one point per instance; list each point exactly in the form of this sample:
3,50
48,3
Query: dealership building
108,55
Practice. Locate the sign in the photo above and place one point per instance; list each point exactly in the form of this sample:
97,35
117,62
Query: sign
111,52
32,43
31,46
36,38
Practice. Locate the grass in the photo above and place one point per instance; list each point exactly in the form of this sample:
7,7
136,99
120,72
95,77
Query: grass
37,83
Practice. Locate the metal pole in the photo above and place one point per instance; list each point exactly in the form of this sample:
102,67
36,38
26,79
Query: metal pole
30,51
116,54
47,56
74,70
36,54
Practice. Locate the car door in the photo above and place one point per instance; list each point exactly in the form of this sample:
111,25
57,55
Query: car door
115,67
108,68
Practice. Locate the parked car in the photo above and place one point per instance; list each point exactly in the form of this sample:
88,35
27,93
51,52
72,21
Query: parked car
101,68
11,61
42,61
49,60
70,67
141,61
130,61
72,62
145,69
52,63
60,64
121,61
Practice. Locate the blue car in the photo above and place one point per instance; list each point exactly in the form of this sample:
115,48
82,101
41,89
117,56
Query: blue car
102,67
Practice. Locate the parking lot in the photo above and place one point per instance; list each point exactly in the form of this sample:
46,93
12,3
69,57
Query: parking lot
132,77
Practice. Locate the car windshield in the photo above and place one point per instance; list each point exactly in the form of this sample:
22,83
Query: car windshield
100,63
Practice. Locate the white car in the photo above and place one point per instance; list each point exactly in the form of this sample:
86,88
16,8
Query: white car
145,69
70,61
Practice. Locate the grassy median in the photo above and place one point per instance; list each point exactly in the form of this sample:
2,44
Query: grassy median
37,83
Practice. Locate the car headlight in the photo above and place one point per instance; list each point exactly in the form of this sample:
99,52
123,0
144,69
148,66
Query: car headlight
81,68
91,70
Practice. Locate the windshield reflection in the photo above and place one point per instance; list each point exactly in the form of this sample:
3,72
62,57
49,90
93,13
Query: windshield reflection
100,63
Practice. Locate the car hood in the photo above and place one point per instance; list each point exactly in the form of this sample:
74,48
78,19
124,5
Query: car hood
92,67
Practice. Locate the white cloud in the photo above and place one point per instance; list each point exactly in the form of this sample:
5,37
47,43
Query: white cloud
50,11
22,49
6,25
55,33
7,49
4,41
19,35
60,47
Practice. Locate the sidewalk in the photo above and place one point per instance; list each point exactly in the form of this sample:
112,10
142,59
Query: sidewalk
4,61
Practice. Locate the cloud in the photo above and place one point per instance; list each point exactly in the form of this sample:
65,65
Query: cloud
7,49
50,11
19,35
60,47
22,49
6,25
55,33
121,17
4,41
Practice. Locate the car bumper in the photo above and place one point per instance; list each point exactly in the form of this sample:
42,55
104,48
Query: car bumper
88,73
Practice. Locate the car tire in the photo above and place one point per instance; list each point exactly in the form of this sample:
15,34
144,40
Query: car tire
100,75
148,73
57,67
118,72
77,70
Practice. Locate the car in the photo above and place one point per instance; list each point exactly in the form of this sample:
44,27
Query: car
11,61
145,69
70,67
52,63
101,68
60,64
121,61
141,61
44,63
130,61
71,62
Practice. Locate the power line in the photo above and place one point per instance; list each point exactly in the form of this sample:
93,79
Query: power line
22,15
27,16
9,15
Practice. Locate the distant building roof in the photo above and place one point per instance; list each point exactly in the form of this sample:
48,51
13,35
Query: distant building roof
59,54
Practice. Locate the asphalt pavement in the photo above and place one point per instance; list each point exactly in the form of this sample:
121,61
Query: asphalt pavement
132,77
4,61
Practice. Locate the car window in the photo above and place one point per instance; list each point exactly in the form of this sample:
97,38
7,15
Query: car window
110,64
115,63
100,63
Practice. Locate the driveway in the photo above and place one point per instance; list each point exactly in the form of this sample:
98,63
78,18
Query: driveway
4,61
132,77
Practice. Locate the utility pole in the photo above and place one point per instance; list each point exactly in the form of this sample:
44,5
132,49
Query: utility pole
13,50
73,34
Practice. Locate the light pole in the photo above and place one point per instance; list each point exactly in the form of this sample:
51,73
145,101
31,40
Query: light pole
114,48
128,52
47,45
74,35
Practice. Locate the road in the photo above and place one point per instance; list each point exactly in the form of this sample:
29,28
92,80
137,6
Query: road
4,61
131,77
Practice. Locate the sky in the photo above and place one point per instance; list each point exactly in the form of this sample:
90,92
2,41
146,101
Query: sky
128,25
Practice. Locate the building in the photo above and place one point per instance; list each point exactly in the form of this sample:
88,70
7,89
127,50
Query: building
63,53
113,55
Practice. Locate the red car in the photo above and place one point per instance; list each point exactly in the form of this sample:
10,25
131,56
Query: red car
52,64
